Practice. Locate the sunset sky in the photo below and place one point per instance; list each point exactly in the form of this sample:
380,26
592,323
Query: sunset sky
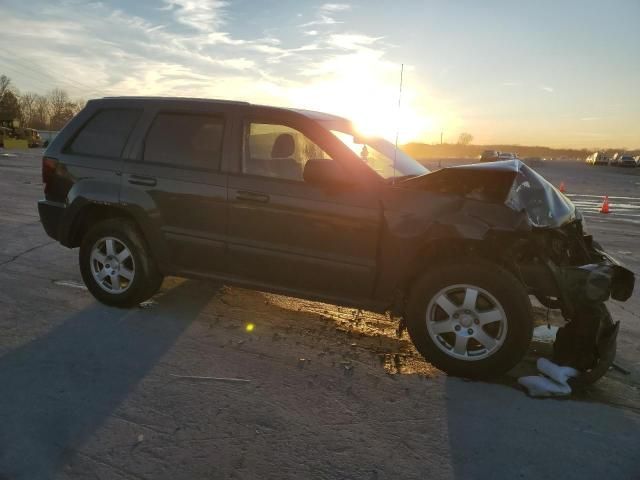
557,73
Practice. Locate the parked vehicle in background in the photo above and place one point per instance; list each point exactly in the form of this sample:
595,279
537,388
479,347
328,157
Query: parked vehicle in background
626,161
637,159
31,136
613,161
297,202
4,133
507,156
597,158
489,156
46,136
533,161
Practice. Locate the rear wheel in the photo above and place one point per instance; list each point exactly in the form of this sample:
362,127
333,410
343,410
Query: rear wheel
115,264
470,319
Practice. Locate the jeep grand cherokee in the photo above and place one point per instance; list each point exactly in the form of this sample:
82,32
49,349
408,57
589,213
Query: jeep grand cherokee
296,202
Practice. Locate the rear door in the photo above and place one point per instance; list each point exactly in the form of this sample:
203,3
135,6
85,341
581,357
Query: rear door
175,177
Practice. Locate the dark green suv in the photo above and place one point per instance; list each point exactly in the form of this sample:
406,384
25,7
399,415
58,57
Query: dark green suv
296,202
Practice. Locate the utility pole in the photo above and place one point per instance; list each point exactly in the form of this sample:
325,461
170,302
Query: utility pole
395,151
441,137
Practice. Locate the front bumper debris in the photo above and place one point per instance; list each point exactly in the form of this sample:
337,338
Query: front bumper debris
596,282
588,340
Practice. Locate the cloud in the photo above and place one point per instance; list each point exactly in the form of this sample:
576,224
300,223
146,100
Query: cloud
335,7
546,88
350,41
321,20
195,49
201,15
325,14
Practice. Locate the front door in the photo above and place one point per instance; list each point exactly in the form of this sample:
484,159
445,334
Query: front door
286,233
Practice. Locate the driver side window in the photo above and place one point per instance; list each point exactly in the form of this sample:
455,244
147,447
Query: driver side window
278,151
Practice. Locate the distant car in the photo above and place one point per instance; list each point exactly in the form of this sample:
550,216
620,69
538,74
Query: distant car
489,156
507,156
597,158
533,161
614,159
32,136
626,161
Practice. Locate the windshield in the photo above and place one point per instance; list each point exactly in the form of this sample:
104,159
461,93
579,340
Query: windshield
379,154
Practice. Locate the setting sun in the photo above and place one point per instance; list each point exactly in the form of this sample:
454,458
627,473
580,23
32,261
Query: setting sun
364,88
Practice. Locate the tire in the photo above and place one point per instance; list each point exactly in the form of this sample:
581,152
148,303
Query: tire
497,325
102,251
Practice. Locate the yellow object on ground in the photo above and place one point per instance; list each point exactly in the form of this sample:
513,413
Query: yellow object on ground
15,143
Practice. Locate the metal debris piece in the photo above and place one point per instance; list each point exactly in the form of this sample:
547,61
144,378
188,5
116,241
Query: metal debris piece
617,367
70,283
147,304
215,379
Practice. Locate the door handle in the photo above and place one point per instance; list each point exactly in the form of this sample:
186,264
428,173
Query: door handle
140,180
245,196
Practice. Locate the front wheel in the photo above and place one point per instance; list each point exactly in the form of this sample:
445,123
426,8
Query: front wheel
470,319
115,264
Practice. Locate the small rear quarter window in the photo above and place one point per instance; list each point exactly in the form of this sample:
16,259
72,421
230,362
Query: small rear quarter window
106,133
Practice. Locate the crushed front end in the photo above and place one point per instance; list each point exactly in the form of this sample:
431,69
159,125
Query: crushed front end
509,213
518,219
565,268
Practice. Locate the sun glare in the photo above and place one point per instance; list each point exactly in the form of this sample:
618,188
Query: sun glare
364,89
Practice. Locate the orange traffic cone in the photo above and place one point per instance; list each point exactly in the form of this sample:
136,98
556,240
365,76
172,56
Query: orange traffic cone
605,205
561,187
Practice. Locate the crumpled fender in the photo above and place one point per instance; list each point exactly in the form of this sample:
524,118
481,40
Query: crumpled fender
414,220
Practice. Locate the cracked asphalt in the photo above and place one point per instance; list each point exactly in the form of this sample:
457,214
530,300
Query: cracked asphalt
180,388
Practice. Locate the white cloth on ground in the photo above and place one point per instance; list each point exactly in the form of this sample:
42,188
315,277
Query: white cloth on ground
553,382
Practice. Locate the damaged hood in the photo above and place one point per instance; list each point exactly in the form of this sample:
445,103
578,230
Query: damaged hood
509,182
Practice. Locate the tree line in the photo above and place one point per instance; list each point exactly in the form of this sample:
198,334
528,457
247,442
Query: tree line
50,111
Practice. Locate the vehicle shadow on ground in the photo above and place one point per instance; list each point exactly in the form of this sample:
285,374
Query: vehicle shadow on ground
58,389
488,425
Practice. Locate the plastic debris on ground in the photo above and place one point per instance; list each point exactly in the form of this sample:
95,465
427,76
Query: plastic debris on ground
554,381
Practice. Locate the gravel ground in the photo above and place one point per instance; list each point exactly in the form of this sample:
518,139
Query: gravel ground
312,391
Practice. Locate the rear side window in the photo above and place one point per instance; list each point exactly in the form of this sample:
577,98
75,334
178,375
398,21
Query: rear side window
187,140
105,134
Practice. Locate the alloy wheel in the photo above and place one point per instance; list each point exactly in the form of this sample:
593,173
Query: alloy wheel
112,265
466,322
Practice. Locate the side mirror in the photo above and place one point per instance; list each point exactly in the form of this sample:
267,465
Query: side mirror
323,173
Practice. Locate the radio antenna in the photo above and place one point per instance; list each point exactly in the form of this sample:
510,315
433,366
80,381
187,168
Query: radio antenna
395,151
